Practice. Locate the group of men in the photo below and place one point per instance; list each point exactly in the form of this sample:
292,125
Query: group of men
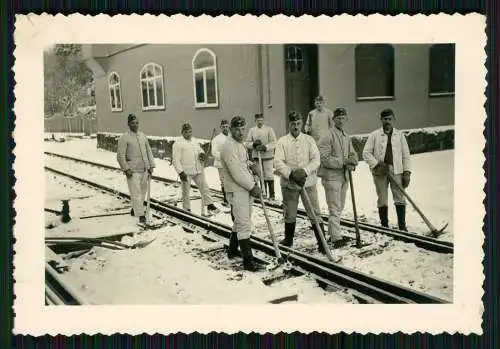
325,150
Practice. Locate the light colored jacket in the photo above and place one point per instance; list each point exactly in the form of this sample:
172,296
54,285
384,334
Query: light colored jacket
134,152
185,156
318,122
376,144
292,153
217,144
267,136
335,146
235,167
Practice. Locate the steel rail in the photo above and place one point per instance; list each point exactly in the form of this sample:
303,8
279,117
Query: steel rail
419,240
375,288
58,291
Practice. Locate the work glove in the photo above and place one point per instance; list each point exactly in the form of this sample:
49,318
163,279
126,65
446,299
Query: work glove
201,157
183,176
381,169
255,191
254,168
351,160
128,173
350,167
299,176
257,143
150,170
406,179
261,148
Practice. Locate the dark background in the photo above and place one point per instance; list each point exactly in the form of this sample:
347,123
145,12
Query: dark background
241,340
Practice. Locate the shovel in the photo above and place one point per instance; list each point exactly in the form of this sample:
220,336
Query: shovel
309,208
434,232
359,244
261,170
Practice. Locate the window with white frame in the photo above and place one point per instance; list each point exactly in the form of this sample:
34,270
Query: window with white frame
294,59
206,93
374,71
115,96
442,70
152,87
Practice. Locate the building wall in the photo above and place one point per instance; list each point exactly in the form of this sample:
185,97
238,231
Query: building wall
412,105
236,69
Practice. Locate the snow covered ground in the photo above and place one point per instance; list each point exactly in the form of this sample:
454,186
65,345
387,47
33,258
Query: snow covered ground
431,185
398,262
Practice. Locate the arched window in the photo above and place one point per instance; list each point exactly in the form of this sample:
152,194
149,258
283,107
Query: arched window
374,71
206,93
442,70
152,87
115,96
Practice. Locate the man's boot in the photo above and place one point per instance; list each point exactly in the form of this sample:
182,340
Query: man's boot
270,185
232,251
248,260
321,249
401,213
383,213
289,233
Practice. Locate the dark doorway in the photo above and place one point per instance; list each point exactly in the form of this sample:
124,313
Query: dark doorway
301,77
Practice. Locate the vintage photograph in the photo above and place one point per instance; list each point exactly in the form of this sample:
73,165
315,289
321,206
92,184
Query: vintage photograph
252,174
255,173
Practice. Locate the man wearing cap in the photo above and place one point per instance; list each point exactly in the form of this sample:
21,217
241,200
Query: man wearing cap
386,151
297,160
188,158
241,187
319,119
135,158
262,139
337,157
217,144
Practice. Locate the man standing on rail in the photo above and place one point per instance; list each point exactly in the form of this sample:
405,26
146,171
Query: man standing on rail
217,144
319,120
240,185
386,152
337,157
297,160
188,158
135,158
262,139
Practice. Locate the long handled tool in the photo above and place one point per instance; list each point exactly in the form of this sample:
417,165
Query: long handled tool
261,170
356,226
209,151
148,219
434,232
309,207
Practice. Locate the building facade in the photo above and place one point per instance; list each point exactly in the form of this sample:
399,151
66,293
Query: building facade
167,85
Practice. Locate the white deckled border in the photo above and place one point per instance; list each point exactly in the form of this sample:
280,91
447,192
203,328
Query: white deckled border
34,32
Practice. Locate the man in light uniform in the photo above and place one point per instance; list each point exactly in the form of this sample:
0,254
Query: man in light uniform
135,158
386,151
319,120
240,185
217,144
262,139
337,157
297,160
188,158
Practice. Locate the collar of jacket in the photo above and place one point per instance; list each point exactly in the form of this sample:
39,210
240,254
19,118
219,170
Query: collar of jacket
395,131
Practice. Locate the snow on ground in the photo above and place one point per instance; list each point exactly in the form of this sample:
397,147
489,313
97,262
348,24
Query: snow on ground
171,270
431,185
391,260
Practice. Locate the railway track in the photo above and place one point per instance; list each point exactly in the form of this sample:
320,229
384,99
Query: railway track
367,289
58,291
419,240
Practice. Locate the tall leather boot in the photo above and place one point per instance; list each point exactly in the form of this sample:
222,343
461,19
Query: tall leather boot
232,251
401,213
248,260
383,213
321,249
289,233
270,186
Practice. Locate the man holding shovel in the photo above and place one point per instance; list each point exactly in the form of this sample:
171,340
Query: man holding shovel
297,160
188,159
386,152
135,158
337,157
261,139
241,189
217,144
